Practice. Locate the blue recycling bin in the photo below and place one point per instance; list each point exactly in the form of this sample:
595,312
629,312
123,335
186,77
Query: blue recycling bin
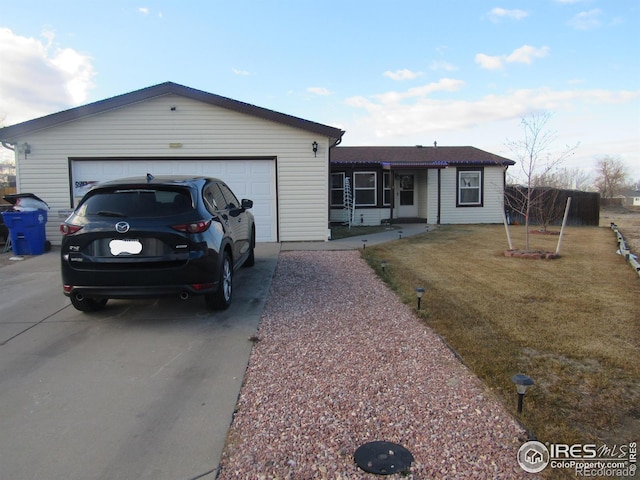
27,231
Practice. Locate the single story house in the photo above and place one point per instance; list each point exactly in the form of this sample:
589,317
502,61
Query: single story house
438,185
279,161
291,168
632,198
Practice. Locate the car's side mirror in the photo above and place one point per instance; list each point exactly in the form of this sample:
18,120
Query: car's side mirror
246,203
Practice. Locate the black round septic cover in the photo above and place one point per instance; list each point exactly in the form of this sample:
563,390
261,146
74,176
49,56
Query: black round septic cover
383,458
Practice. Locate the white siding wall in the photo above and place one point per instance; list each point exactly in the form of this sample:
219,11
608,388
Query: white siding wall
147,128
491,212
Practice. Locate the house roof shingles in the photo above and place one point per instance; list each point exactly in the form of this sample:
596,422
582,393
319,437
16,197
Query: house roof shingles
418,156
9,133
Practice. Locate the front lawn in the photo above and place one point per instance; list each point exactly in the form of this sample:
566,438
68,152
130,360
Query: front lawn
572,324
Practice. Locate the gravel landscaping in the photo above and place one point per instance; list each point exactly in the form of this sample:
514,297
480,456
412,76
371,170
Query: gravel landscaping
339,361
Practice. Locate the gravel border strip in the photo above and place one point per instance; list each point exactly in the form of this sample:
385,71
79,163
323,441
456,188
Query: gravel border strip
340,361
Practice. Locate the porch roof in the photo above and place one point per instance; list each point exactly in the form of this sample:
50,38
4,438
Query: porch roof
416,157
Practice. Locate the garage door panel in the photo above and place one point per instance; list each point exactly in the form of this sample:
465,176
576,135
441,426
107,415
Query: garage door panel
260,168
186,168
161,168
253,179
210,169
261,188
111,170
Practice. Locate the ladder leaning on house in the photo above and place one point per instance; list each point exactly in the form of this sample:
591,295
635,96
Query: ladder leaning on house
349,204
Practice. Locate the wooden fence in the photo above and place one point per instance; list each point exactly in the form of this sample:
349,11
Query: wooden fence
6,191
584,208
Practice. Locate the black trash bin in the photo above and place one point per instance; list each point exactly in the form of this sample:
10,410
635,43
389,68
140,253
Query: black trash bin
26,226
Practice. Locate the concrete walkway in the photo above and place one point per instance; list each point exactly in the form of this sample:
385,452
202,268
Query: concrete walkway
352,243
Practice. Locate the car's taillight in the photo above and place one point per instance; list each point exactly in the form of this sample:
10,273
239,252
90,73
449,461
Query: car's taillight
68,229
197,227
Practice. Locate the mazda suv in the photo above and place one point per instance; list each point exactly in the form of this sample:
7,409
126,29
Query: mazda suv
147,237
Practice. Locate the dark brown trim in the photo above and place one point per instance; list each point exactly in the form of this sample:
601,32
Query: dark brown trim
439,195
164,159
469,169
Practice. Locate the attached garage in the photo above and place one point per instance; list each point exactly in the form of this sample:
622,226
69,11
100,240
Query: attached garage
279,161
248,178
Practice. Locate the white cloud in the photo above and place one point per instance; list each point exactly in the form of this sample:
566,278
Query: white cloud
440,65
402,74
391,116
587,20
525,54
143,10
319,91
489,62
442,85
78,73
240,72
498,14
39,79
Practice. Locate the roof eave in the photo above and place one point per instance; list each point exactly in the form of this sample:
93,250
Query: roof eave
7,134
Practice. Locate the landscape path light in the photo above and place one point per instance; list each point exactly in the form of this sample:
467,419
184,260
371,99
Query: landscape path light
383,265
364,243
523,382
419,293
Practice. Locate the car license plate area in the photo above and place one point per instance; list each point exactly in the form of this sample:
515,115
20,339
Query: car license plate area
125,247
153,249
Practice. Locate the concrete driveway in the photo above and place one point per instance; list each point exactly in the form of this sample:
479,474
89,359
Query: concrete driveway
142,389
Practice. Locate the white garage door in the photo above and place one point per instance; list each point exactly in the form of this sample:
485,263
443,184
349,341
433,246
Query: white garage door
254,179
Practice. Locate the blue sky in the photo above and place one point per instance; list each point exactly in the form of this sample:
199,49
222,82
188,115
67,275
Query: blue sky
392,72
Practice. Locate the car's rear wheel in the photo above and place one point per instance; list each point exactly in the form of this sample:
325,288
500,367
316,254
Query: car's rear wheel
221,299
88,304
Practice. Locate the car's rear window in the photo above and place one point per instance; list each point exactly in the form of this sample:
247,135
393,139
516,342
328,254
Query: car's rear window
137,203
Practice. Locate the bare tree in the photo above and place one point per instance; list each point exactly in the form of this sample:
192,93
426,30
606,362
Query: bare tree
611,177
566,179
533,153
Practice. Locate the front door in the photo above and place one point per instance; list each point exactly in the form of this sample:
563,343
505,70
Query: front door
406,198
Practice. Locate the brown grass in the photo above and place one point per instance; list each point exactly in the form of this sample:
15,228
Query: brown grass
572,323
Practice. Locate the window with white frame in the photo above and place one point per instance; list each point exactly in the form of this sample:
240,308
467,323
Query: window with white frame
337,189
386,188
364,187
469,188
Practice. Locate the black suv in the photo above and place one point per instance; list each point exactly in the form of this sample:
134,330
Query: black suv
148,237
